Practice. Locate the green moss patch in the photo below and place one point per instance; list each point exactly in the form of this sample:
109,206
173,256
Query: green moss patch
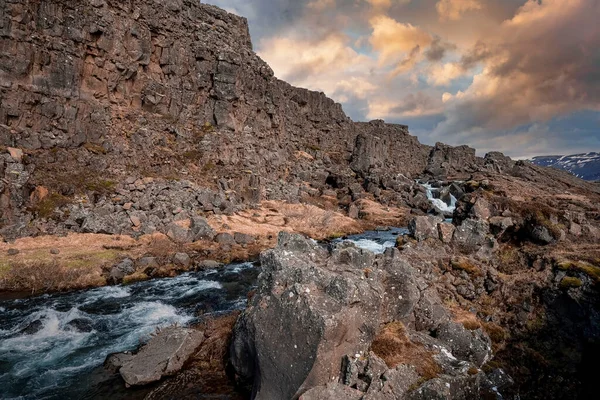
580,266
570,282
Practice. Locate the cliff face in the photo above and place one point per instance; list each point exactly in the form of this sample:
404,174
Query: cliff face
163,105
98,91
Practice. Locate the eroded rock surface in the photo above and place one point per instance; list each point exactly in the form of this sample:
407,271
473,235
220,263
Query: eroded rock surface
125,118
164,355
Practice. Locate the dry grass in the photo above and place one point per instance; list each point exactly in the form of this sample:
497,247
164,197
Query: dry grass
377,214
467,319
75,250
80,261
275,216
43,277
161,246
495,332
464,264
394,346
136,277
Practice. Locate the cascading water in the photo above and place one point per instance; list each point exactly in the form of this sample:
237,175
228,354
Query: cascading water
375,241
50,345
439,204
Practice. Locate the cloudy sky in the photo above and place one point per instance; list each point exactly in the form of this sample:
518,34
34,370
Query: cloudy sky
518,76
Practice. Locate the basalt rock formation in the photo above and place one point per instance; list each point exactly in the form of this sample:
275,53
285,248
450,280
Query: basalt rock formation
375,324
121,117
500,303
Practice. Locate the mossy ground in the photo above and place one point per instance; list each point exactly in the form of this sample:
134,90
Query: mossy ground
464,264
569,282
592,271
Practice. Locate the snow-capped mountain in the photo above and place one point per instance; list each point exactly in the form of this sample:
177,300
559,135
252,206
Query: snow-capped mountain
585,166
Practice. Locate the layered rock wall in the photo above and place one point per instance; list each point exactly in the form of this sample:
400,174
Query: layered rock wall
99,92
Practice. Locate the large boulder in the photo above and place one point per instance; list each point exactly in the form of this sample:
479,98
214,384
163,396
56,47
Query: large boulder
319,315
164,355
473,346
424,227
310,311
121,270
191,230
471,234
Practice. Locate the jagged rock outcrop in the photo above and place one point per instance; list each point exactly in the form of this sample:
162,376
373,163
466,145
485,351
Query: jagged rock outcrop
518,261
317,315
445,161
472,304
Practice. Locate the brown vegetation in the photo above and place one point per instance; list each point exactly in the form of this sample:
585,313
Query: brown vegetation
41,277
394,346
464,264
378,214
495,332
275,216
467,319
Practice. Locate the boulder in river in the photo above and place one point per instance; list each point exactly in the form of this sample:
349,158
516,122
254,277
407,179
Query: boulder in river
33,328
81,325
164,355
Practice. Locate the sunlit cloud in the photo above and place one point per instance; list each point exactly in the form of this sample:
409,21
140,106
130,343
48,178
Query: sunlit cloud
454,9
393,40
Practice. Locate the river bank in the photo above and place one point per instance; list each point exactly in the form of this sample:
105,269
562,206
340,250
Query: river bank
76,261
51,341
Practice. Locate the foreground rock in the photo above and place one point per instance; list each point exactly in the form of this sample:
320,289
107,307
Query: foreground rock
164,355
322,324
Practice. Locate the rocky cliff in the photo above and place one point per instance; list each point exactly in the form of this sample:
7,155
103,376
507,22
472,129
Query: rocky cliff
105,103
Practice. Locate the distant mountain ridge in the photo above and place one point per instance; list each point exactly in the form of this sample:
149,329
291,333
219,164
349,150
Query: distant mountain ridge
585,166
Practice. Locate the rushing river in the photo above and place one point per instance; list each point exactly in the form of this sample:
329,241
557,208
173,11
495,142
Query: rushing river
50,344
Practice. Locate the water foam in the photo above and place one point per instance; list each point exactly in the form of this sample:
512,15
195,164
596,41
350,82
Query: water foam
439,203
373,246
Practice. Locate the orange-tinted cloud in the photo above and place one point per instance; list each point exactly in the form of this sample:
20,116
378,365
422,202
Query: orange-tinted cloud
488,69
397,42
545,64
454,9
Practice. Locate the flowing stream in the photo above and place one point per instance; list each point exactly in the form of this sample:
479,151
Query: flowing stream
49,345
438,203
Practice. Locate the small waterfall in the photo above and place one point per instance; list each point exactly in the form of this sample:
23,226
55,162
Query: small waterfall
375,241
439,204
